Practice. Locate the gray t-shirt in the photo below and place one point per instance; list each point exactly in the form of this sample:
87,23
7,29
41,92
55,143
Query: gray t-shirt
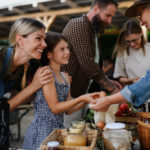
134,65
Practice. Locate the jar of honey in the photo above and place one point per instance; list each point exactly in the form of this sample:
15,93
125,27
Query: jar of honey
75,137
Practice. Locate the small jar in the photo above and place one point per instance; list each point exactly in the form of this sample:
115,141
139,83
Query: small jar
75,137
116,137
53,145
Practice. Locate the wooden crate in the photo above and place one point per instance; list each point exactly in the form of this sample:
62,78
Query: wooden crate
126,119
131,125
59,135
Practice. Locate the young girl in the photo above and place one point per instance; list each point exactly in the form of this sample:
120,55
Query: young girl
54,98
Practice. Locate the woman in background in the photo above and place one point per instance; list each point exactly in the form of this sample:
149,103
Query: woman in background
132,52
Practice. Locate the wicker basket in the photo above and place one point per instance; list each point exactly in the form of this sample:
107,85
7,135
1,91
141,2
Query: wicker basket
144,129
59,135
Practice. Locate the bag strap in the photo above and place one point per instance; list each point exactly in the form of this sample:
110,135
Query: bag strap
6,60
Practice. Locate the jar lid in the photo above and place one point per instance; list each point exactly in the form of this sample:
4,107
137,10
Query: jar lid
53,144
75,130
115,126
78,124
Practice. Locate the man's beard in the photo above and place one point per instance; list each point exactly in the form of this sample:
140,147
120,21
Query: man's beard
98,25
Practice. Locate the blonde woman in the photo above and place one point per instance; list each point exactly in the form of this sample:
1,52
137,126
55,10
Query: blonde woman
26,42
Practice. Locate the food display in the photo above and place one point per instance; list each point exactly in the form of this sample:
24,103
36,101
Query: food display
126,110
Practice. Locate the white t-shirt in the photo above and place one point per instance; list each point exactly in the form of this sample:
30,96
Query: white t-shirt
134,65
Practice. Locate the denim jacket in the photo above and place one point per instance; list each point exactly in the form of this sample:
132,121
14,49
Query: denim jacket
138,92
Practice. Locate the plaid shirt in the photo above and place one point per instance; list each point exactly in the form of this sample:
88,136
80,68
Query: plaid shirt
81,67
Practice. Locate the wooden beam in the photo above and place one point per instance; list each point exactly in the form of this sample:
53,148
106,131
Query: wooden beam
49,13
50,22
43,7
19,11
71,4
59,12
47,21
125,4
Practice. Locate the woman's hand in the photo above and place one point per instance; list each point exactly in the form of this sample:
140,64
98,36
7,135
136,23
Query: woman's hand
42,76
95,103
100,104
135,79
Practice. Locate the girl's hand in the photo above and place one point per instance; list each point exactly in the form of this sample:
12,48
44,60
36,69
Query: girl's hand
42,76
88,98
99,94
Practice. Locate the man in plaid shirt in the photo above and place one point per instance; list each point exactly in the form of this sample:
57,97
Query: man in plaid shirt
85,54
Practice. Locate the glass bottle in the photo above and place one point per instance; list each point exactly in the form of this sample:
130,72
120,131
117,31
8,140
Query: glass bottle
75,137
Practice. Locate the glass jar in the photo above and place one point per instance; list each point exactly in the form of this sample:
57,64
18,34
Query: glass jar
75,137
116,137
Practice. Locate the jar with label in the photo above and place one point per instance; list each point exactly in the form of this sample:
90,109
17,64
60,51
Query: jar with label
75,137
116,137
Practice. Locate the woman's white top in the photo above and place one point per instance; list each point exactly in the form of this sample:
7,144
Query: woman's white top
134,65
